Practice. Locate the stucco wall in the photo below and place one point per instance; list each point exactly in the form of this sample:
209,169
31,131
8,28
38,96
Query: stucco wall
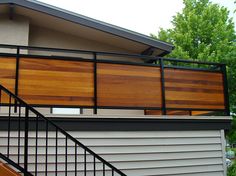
40,36
14,31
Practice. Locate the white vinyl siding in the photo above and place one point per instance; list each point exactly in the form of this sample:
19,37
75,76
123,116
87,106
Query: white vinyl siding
138,153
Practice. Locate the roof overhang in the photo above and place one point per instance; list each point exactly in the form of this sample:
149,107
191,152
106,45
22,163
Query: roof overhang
160,48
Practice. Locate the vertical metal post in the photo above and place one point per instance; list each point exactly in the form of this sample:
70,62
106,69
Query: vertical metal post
66,152
26,138
85,163
56,152
163,95
95,83
36,145
17,75
46,152
94,166
226,93
9,128
76,170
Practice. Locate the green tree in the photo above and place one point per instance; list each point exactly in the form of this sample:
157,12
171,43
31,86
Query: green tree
232,170
204,31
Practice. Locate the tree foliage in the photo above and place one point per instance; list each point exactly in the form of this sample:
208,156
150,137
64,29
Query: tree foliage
232,170
204,31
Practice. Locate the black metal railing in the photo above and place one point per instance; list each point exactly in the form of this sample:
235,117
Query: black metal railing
118,58
40,147
17,167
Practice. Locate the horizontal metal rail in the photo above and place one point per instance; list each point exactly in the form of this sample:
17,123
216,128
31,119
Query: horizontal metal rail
137,56
96,57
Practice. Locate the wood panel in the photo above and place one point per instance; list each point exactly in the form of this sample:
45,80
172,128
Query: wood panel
56,82
7,75
128,86
61,82
197,113
169,112
194,89
6,170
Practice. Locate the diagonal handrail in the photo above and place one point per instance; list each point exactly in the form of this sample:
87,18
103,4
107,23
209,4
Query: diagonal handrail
28,108
12,163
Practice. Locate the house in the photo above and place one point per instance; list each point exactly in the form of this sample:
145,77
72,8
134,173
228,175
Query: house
139,113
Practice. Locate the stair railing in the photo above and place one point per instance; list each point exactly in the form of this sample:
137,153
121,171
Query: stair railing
18,168
43,148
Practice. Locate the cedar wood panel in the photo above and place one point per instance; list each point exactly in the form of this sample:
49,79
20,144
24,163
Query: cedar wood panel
61,82
193,89
56,82
7,75
128,85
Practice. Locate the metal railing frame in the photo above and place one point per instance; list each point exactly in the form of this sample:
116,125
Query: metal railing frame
158,61
19,103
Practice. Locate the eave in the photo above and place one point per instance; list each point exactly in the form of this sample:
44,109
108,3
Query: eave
92,23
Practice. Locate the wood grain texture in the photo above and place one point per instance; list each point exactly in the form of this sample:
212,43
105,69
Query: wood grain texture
7,75
129,86
168,112
194,89
56,82
195,113
6,170
61,82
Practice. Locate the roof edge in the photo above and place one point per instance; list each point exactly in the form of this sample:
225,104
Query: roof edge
90,22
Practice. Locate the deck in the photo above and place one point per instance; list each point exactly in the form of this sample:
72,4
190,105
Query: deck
50,77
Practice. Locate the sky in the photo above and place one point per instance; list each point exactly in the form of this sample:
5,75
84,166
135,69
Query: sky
143,16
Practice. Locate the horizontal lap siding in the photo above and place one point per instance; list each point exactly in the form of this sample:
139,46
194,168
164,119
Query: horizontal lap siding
190,153
7,75
56,82
193,89
129,86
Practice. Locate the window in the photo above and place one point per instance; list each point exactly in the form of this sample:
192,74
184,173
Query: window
67,111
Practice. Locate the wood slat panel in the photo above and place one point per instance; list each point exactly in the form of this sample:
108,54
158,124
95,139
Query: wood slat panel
56,82
129,86
7,75
169,112
6,170
194,89
153,112
201,112
60,82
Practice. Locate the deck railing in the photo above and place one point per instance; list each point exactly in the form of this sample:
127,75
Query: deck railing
52,77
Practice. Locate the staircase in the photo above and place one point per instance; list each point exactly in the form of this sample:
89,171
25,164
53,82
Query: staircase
45,149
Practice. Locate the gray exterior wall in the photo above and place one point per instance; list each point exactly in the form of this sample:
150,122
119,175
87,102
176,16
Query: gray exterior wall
14,31
141,153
